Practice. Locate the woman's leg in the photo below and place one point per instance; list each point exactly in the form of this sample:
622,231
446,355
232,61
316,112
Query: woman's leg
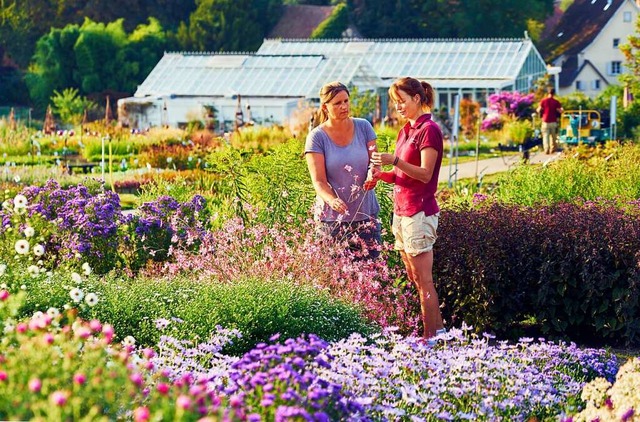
419,271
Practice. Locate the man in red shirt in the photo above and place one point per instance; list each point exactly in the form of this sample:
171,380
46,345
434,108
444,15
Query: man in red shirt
550,110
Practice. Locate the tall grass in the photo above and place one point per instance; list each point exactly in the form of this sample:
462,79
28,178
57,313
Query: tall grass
611,174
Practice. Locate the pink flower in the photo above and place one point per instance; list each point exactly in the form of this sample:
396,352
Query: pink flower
163,388
79,378
35,385
3,376
4,295
95,325
48,338
136,378
108,331
183,402
58,398
141,414
21,328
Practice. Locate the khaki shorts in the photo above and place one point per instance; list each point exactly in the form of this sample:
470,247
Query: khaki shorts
415,234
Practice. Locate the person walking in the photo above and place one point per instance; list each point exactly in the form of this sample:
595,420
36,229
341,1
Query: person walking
416,167
550,111
338,152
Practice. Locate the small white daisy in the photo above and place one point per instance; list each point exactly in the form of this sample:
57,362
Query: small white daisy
33,270
86,268
129,341
53,312
38,250
22,247
76,295
20,201
91,299
77,278
3,269
29,231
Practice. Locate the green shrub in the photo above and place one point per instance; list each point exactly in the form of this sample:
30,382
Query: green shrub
257,308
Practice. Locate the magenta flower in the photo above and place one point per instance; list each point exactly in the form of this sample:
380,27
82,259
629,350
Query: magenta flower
141,414
58,398
4,295
3,376
35,385
183,402
79,378
163,388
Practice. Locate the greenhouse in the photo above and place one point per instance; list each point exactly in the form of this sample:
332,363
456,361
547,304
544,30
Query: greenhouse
280,82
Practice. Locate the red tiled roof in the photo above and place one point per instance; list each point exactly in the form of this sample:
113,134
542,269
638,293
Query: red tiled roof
577,28
299,21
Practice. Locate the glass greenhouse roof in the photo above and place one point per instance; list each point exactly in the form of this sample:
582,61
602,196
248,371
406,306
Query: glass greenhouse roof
473,62
298,68
220,75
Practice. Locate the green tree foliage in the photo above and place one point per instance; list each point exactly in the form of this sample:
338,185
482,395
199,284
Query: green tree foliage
70,106
229,25
446,18
334,25
95,58
631,51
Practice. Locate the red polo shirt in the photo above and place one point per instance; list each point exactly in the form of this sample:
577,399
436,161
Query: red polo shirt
411,195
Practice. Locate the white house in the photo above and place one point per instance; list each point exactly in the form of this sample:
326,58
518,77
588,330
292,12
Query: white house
585,44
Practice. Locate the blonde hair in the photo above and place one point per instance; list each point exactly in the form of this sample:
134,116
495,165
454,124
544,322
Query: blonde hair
412,87
328,93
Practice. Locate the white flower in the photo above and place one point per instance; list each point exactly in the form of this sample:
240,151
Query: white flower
77,278
38,250
20,201
169,159
22,247
16,179
53,312
6,205
23,287
91,299
29,231
8,327
33,270
129,341
76,295
86,268
20,210
37,314
3,269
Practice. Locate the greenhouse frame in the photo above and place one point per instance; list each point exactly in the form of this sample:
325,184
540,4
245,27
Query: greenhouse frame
276,84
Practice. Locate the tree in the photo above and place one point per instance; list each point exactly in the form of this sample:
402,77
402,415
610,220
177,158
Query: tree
631,51
96,59
230,25
70,106
334,25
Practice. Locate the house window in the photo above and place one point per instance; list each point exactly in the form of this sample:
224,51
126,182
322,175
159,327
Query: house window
615,68
579,86
627,16
616,42
595,85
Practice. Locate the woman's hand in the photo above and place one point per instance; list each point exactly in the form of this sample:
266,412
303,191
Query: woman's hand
338,205
382,158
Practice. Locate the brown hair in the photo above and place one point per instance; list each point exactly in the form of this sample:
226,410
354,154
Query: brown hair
412,87
328,93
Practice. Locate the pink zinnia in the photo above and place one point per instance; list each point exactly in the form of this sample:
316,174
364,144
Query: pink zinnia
4,295
58,398
79,378
141,414
35,385
163,388
3,376
183,402
95,325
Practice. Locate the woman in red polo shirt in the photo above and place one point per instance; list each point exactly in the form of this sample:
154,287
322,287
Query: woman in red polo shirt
416,165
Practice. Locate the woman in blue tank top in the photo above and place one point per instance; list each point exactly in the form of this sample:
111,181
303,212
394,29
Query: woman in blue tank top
338,153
